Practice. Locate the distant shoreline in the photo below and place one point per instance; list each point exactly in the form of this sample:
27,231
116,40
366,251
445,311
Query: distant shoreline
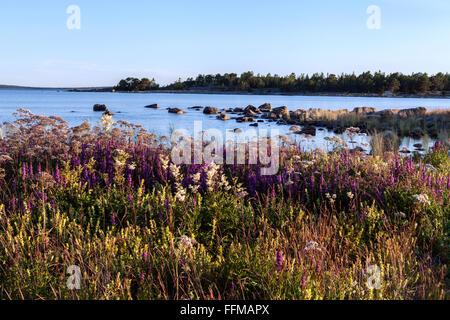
266,93
255,92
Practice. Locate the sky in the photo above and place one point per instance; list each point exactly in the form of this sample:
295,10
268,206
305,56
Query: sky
169,39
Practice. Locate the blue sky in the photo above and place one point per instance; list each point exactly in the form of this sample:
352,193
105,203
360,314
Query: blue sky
171,39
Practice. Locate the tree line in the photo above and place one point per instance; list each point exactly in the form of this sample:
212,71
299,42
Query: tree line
376,83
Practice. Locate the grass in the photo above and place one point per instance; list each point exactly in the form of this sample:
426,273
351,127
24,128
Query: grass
109,200
434,122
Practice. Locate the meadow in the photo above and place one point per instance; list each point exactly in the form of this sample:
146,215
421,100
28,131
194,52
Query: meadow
109,200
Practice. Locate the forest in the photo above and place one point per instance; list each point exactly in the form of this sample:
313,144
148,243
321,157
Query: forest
364,83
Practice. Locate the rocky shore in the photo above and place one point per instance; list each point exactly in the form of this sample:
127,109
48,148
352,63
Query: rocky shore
414,122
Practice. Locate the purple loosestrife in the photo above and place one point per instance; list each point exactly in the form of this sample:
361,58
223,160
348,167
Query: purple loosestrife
279,261
303,282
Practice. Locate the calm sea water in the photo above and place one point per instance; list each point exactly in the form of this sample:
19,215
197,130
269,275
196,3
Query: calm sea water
75,107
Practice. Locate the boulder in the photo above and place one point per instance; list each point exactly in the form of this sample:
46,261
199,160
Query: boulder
176,110
265,107
414,112
223,117
387,113
254,124
109,113
252,110
152,106
364,110
245,119
281,112
308,130
100,108
210,110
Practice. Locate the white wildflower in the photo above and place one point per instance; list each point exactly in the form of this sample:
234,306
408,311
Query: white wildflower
164,162
196,177
186,242
312,245
422,199
306,163
175,171
106,121
242,194
181,194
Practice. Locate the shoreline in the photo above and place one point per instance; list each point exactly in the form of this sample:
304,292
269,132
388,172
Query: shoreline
300,94
244,93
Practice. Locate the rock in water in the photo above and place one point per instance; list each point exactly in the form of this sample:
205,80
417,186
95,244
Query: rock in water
223,117
100,107
176,110
210,110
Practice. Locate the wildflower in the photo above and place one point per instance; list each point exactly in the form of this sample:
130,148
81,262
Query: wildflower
132,166
120,158
242,194
106,121
164,162
175,171
113,219
194,189
422,199
303,282
186,242
196,177
312,245
224,183
181,195
45,179
279,261
306,163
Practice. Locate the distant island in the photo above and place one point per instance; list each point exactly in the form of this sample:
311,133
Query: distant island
365,84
